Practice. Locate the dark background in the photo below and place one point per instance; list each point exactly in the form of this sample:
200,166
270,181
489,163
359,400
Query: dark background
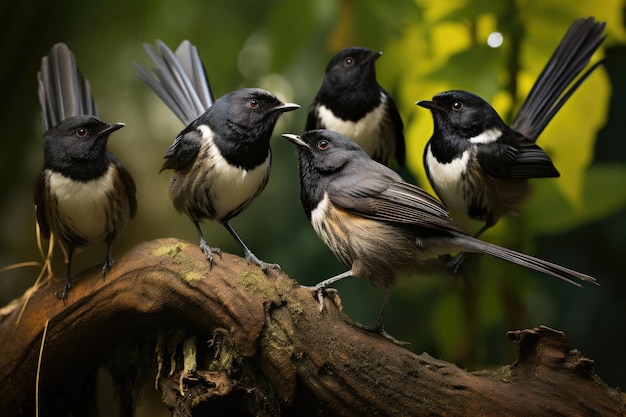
578,220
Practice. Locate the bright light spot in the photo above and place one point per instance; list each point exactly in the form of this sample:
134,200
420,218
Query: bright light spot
255,58
495,39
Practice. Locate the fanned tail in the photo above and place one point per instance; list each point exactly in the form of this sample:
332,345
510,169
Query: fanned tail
570,58
63,91
178,79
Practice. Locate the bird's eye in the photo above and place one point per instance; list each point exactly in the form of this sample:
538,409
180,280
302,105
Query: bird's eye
323,145
81,132
253,103
349,61
457,106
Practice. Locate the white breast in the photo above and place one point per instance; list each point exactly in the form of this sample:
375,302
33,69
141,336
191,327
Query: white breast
447,179
224,187
83,205
231,187
365,132
318,219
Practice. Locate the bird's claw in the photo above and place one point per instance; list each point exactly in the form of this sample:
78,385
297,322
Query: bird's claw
209,251
319,294
106,265
251,258
456,263
62,295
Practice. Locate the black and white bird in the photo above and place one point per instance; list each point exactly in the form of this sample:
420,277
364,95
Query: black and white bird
222,159
351,102
378,225
84,194
477,164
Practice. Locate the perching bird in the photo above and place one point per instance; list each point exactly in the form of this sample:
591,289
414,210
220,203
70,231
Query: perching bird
377,224
351,102
477,164
222,159
84,194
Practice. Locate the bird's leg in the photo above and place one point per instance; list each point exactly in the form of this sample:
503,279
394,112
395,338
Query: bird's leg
379,327
455,264
250,257
108,261
62,295
320,288
206,249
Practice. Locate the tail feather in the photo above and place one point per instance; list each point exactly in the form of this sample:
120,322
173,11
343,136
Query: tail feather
178,79
570,58
471,244
63,91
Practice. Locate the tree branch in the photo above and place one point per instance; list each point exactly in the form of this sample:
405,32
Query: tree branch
232,339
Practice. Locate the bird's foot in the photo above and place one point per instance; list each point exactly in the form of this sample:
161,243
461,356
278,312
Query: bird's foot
251,257
380,329
209,251
319,294
62,295
456,263
106,265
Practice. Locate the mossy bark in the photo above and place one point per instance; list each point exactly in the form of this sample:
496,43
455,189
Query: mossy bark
230,339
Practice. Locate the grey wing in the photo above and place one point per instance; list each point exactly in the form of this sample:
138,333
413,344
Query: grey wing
63,91
129,183
178,79
40,201
183,152
395,127
525,160
385,198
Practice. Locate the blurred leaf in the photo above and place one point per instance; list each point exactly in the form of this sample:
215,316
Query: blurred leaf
461,68
604,192
448,326
473,10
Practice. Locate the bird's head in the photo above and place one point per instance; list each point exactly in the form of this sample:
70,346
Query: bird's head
77,138
324,150
463,113
352,67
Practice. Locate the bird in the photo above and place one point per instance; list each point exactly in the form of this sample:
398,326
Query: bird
350,101
84,194
477,164
379,225
222,158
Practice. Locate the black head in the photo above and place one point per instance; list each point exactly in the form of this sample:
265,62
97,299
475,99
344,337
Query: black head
352,67
246,114
324,150
462,112
76,147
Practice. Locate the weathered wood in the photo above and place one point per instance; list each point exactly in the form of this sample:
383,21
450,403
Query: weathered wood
235,340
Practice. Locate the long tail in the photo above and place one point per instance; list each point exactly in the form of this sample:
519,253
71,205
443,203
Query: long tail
179,79
548,93
63,91
471,244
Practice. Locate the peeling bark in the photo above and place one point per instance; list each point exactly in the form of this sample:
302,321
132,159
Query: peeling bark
233,340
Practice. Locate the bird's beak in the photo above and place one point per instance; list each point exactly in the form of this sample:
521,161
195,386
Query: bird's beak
427,104
295,139
112,128
285,107
372,57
